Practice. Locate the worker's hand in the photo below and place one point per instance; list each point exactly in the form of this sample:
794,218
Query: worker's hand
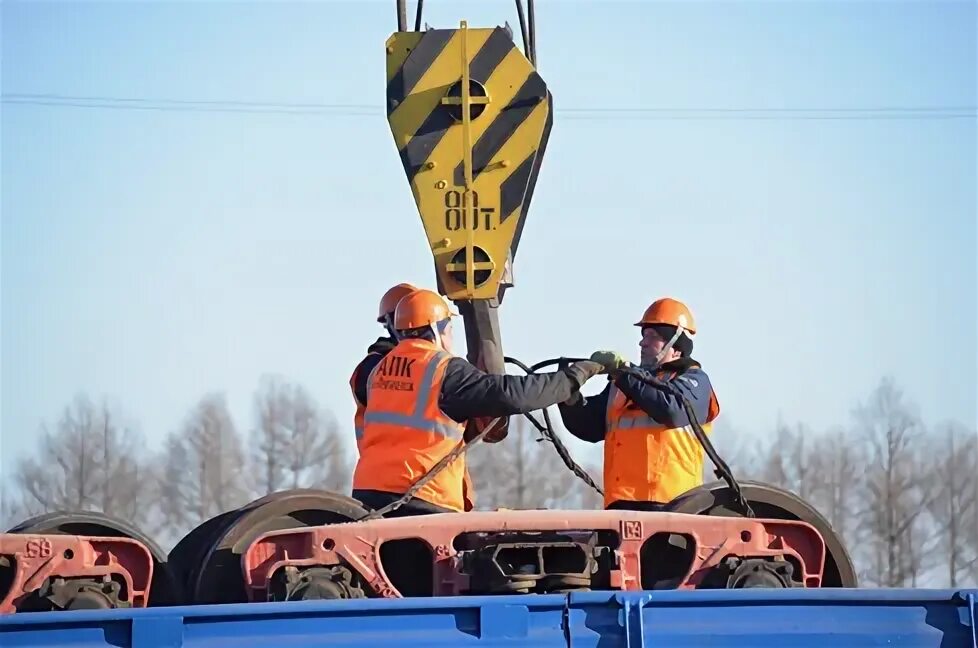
584,370
610,360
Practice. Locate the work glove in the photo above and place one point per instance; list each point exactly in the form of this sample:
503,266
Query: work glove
610,360
584,370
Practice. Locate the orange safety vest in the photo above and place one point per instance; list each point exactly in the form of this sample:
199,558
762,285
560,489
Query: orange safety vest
646,461
361,408
405,433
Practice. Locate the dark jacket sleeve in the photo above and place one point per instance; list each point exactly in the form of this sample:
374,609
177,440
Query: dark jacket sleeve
665,408
468,392
585,416
375,353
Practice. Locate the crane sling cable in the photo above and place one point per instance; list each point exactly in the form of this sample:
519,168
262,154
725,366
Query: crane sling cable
721,469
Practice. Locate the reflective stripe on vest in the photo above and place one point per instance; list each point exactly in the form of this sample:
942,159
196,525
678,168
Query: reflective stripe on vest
405,431
417,419
646,460
361,408
629,421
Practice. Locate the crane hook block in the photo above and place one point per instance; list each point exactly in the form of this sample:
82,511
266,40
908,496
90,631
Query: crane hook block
470,118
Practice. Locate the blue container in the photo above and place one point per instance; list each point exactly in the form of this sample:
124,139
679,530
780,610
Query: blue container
716,618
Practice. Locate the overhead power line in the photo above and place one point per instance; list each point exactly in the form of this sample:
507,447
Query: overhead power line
595,113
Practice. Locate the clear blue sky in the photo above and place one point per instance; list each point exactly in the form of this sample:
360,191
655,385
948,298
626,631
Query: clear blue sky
152,256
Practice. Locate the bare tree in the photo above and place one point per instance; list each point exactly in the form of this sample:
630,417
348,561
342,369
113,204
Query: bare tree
897,490
745,459
126,490
268,440
824,469
904,499
953,507
294,444
203,467
177,512
63,475
91,460
837,481
789,461
969,519
524,472
12,511
337,472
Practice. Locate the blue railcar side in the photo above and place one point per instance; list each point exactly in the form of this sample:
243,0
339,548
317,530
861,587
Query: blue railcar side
716,618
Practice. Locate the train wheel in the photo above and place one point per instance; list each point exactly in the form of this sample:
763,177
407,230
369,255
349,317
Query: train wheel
217,577
165,588
189,553
186,555
772,502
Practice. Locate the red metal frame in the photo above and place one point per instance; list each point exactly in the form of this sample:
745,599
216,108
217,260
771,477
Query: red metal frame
39,557
358,544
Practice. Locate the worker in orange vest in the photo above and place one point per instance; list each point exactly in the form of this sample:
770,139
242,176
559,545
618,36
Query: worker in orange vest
418,399
375,353
380,348
650,453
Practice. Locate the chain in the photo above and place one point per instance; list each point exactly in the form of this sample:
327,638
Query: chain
456,452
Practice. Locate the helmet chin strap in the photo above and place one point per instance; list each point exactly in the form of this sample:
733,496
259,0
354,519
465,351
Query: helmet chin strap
435,326
665,349
389,325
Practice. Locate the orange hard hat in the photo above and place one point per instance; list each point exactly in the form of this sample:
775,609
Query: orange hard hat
670,312
389,301
421,308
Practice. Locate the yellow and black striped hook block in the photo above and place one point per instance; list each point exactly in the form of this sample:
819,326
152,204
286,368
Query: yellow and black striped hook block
470,118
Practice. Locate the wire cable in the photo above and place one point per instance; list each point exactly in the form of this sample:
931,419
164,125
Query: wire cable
548,433
583,113
722,470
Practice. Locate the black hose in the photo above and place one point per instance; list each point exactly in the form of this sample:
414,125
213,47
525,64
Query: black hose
547,431
465,446
722,470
